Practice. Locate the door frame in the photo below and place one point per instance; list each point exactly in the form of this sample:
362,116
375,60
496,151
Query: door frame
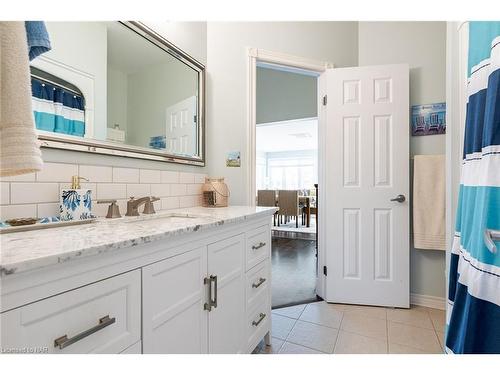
254,56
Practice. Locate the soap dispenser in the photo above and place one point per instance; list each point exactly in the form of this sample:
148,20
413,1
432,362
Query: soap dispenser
76,203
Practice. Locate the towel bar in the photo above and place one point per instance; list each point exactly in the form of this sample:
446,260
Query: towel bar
490,236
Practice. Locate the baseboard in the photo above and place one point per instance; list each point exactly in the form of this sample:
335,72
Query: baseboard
428,301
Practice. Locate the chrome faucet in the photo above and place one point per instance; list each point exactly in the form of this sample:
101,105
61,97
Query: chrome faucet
133,205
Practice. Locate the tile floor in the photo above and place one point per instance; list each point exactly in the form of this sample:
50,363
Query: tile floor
319,328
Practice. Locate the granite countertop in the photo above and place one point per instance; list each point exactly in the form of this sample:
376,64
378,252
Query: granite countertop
29,250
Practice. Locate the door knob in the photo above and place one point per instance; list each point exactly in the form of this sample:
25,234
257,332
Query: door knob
400,198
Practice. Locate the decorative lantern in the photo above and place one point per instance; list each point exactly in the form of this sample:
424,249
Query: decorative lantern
215,192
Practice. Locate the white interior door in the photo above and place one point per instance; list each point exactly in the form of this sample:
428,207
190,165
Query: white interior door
182,126
366,165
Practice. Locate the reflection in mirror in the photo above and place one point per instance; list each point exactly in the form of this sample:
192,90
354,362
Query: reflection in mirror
116,85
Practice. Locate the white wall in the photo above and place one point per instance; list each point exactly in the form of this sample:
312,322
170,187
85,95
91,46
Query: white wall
285,96
191,37
117,99
336,42
149,97
423,46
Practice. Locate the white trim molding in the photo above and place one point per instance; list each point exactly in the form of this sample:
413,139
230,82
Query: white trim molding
428,301
255,55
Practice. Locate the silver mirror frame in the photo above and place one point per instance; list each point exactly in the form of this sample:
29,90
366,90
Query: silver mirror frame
109,148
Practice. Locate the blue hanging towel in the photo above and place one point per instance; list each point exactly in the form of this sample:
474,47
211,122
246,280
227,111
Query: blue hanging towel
38,38
473,311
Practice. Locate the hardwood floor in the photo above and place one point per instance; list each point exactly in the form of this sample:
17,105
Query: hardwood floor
294,271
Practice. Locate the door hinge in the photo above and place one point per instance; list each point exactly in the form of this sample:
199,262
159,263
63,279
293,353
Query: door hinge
325,271
325,100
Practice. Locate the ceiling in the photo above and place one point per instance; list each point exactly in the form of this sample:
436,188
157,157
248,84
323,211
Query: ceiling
290,135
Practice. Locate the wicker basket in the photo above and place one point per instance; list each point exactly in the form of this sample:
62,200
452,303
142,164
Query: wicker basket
215,192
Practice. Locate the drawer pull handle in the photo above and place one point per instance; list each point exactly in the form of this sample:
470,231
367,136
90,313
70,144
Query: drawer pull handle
261,318
63,341
212,302
259,283
257,247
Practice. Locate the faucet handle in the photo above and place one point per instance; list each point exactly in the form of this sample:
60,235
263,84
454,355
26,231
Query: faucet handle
149,207
131,199
113,209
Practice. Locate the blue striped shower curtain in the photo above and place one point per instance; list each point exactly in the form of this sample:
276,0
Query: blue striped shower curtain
57,110
473,311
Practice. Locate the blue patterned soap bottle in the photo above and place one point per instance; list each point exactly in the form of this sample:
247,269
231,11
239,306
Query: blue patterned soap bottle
76,203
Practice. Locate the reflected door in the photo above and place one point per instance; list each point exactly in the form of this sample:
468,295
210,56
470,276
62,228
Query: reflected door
181,137
367,167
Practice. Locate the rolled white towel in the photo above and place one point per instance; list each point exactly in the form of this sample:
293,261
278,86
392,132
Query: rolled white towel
20,148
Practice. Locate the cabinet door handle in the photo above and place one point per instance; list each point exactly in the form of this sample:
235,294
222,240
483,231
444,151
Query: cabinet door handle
259,283
212,302
261,318
63,341
257,247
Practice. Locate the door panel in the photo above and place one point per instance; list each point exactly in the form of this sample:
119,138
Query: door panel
366,158
174,320
226,260
181,127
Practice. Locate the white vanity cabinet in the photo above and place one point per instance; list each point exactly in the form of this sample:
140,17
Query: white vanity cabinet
204,292
174,319
226,275
103,317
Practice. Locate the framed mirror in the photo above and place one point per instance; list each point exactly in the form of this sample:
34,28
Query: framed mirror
119,88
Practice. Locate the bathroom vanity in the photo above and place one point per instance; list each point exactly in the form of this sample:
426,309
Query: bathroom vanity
190,281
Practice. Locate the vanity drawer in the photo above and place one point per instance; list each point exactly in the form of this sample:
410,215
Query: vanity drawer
103,317
258,246
257,284
258,323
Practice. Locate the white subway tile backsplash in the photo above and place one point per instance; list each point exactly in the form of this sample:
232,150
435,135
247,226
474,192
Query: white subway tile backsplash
149,176
111,191
189,201
38,194
199,178
30,177
169,203
83,185
160,190
169,177
138,190
186,177
48,209
4,193
96,173
17,211
57,172
193,189
34,192
100,209
128,175
177,190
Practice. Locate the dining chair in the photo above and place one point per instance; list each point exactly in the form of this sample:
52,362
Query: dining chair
267,198
288,203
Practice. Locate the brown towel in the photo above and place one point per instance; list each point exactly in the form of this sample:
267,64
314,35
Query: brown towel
19,146
429,202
